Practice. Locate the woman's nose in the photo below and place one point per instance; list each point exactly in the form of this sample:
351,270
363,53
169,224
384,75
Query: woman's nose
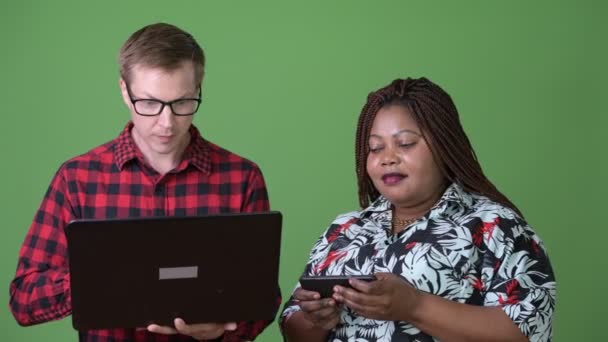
389,157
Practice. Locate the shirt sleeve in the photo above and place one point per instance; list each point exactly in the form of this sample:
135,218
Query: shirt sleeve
256,195
518,276
318,256
40,291
255,200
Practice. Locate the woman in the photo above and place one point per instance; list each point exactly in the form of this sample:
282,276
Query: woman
453,257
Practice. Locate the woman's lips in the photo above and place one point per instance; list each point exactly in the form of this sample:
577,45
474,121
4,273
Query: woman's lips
392,178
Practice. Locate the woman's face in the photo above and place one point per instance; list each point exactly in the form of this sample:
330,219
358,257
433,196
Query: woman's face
400,163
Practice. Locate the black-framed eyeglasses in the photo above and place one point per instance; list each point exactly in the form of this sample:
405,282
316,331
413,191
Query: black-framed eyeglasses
153,107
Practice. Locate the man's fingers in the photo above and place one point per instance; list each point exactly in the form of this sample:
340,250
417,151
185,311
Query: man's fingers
155,328
213,328
182,327
230,326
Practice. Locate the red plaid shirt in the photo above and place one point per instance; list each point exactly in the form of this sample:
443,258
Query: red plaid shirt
113,181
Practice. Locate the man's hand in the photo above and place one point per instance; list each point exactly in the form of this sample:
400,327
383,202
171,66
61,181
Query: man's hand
389,298
203,331
322,313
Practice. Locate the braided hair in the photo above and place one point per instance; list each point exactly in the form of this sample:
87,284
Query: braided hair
436,115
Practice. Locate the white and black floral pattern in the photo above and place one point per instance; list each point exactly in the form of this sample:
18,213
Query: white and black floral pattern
468,249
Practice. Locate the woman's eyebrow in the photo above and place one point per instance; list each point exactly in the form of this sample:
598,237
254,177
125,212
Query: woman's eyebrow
406,131
396,134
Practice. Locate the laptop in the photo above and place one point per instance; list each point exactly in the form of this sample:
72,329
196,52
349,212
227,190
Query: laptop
128,273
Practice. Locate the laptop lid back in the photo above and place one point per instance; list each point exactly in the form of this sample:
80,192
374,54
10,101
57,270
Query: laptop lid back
132,272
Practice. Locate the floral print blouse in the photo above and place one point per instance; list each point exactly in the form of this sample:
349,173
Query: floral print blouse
467,248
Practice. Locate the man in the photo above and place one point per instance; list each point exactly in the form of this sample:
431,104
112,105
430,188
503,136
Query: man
158,166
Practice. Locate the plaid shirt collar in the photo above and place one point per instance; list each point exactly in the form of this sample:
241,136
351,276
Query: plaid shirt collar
196,154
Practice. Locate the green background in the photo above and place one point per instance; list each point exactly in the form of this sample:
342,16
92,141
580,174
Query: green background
284,85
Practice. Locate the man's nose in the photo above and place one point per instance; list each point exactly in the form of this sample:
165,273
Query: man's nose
166,117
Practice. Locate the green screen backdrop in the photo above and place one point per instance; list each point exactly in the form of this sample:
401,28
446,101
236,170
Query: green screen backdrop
284,85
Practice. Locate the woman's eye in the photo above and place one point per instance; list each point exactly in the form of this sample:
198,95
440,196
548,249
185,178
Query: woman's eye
375,149
407,145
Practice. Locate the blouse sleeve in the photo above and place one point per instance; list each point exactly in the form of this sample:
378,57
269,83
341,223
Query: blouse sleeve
518,276
319,256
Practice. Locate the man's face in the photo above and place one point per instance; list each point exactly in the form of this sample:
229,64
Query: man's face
164,135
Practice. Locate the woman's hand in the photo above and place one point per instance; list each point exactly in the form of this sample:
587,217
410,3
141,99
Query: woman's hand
203,331
389,298
322,313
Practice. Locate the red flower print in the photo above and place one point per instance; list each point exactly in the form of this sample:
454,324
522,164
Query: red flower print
512,293
535,247
410,245
497,265
343,227
486,227
478,284
331,257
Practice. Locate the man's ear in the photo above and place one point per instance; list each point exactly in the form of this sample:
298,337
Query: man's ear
202,80
125,94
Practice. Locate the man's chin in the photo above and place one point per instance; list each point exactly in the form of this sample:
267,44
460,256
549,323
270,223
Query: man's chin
161,148
164,151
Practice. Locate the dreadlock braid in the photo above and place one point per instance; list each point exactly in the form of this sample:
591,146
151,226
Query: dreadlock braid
436,115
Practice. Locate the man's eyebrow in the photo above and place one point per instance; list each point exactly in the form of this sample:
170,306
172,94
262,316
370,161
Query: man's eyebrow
151,97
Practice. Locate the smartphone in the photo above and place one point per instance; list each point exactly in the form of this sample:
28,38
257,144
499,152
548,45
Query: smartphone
324,285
